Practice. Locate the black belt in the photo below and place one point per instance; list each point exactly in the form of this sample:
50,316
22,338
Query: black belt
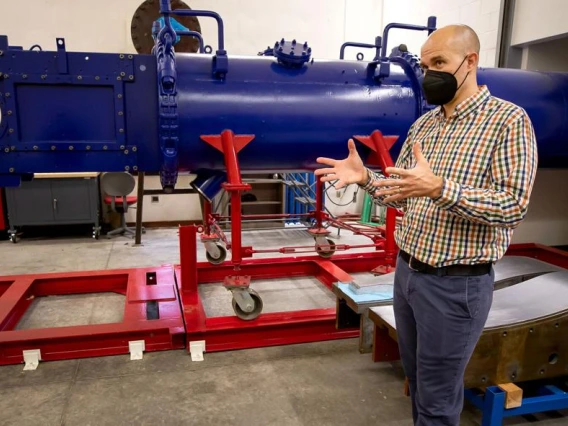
457,270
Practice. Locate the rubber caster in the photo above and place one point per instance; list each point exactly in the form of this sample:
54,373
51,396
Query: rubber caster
247,304
326,252
96,234
14,238
219,257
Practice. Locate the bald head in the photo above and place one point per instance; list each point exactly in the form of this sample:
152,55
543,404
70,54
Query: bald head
453,50
460,39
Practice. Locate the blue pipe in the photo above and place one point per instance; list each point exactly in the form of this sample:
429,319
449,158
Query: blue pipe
206,13
196,35
430,27
377,46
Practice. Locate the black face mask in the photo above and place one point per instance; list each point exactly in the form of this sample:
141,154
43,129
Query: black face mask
440,87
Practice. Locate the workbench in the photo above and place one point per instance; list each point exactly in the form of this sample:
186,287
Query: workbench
54,199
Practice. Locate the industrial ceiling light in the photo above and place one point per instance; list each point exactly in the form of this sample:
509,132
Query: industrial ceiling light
208,183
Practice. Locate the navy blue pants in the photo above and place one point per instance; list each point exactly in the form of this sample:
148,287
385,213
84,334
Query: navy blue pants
438,321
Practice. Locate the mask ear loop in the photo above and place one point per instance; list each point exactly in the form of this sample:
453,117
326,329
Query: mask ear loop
465,75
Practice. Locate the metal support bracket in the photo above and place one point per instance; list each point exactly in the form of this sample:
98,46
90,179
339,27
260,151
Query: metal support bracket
61,56
32,359
136,348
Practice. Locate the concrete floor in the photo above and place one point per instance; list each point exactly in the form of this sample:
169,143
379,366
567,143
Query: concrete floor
327,383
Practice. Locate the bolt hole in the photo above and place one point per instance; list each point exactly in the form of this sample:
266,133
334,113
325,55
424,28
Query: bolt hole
142,67
553,358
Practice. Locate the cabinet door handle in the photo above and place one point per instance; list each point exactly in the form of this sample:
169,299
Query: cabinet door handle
55,204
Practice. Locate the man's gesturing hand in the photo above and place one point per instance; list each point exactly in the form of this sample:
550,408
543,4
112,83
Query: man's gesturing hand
419,181
347,171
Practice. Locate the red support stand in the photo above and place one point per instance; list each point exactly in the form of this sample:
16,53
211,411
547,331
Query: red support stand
380,146
269,329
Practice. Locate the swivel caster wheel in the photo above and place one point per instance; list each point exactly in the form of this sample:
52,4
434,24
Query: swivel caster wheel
326,252
217,255
247,304
96,233
14,238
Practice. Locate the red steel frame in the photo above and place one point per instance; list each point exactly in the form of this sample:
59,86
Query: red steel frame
174,290
230,145
227,333
139,286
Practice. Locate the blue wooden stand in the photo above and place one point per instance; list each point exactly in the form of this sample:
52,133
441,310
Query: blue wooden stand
492,403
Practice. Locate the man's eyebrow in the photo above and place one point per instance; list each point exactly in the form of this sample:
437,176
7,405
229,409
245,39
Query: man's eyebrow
433,60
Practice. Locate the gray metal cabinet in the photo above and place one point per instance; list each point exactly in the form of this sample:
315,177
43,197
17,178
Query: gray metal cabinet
54,201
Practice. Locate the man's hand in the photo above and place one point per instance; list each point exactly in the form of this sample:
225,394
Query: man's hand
417,182
347,171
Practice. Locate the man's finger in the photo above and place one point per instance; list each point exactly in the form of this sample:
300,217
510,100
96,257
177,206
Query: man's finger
319,172
397,171
328,178
328,161
394,198
351,146
389,182
390,191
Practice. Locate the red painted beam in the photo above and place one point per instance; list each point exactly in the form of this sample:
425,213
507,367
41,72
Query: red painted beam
140,286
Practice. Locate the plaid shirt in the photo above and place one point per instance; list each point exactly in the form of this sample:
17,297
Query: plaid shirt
487,154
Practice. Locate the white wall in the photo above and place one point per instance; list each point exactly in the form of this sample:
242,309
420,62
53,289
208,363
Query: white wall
168,207
481,15
538,20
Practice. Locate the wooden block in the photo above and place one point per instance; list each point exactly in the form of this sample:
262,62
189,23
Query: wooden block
514,397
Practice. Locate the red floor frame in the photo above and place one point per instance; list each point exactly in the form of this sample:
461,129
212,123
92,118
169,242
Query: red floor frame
139,286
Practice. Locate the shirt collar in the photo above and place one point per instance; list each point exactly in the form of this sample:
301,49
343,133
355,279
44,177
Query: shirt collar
468,105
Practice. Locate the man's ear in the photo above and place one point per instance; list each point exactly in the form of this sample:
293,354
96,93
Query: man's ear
472,61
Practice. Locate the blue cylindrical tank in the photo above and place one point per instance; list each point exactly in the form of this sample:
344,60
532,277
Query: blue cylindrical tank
296,115
545,98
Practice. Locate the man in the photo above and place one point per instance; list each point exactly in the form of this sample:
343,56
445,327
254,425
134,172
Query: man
463,178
